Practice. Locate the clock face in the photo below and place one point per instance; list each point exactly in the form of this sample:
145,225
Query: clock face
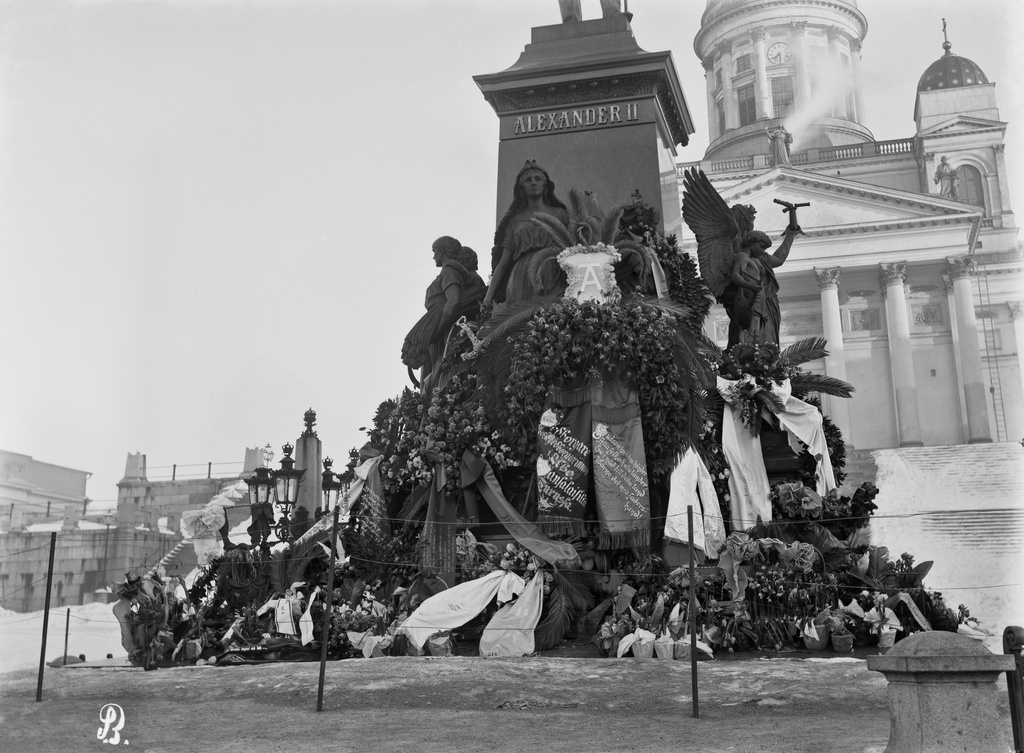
779,53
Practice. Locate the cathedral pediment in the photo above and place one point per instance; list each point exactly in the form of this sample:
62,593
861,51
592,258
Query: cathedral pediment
962,124
841,206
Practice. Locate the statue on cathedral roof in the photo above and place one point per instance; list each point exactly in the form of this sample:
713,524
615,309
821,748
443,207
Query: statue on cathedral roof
734,261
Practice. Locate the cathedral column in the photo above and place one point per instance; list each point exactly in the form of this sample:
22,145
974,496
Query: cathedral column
834,34
732,108
957,360
761,92
709,77
960,269
835,361
803,78
901,361
858,99
1004,184
1017,315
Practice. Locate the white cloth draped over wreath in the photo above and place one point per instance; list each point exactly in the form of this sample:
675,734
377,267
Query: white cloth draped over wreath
748,481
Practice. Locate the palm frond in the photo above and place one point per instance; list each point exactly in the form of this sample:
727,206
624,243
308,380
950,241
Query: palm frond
577,207
610,227
288,565
556,228
810,349
558,618
806,382
677,311
543,270
503,325
770,401
575,584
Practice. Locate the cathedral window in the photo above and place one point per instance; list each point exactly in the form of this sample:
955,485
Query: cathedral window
747,106
743,63
971,188
782,96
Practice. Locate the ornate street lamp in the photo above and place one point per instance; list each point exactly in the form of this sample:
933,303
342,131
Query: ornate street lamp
287,479
331,486
260,505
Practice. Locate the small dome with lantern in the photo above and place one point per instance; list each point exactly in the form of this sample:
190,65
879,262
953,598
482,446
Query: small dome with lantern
951,71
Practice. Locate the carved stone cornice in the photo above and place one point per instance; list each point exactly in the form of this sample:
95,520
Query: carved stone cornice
929,155
833,33
828,279
757,35
568,93
708,63
947,284
892,274
1016,309
999,148
724,47
857,45
960,267
800,27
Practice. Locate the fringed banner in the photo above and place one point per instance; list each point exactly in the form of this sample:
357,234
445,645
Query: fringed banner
478,476
438,539
620,468
374,508
563,461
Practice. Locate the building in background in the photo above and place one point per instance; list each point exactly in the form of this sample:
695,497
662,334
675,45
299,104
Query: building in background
911,266
97,543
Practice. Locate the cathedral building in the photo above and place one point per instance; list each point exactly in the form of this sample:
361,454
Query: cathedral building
910,266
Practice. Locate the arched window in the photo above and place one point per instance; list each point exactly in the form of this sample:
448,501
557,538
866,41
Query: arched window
971,190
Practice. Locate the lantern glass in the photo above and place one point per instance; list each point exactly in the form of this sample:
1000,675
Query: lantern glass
259,485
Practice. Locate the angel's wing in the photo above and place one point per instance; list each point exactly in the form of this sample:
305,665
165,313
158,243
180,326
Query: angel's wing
710,219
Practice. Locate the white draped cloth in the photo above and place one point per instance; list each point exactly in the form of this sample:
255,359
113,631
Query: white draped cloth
691,486
748,481
805,423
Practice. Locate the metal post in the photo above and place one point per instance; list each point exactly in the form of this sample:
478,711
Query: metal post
67,631
46,616
1013,641
209,469
327,611
693,616
174,472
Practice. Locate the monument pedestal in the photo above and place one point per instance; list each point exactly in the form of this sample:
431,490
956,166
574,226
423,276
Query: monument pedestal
595,111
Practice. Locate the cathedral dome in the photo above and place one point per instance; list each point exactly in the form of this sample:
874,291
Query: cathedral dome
718,8
951,72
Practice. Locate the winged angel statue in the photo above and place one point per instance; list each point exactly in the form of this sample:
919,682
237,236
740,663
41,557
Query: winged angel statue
734,261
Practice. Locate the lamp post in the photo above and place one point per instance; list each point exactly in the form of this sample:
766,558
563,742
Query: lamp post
260,485
286,480
332,486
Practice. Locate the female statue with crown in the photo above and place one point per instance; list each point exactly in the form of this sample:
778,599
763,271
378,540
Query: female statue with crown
518,238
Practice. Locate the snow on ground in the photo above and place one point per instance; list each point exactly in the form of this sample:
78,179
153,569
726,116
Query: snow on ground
94,631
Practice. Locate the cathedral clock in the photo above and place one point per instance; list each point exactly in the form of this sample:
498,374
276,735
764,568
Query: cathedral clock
779,53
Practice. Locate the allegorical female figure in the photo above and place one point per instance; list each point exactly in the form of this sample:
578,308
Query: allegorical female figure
518,238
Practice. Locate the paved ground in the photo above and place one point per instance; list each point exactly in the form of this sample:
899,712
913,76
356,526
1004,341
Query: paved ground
428,705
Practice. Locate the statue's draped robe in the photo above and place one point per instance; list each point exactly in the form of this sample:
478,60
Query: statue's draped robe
424,345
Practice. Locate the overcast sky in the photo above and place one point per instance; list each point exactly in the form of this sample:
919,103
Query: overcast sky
214,215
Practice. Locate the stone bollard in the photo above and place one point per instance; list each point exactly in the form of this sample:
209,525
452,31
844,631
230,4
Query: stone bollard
942,695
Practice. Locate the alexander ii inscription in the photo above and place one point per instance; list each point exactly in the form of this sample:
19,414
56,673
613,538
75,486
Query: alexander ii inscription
582,117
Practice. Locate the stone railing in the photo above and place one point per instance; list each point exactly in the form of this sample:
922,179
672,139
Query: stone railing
865,150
